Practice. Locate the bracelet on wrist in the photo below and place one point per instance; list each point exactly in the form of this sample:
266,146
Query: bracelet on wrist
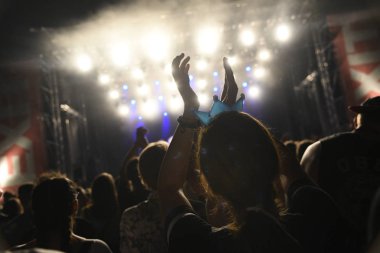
190,124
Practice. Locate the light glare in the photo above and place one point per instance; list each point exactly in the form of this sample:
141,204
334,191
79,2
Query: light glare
247,38
84,63
254,92
113,94
282,33
104,79
264,55
208,40
123,110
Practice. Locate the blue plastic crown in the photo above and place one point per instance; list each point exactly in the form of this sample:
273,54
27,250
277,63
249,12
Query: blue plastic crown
219,107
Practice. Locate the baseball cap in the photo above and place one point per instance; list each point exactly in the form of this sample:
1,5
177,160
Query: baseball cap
371,105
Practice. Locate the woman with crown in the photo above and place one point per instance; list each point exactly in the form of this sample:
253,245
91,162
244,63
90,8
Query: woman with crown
243,165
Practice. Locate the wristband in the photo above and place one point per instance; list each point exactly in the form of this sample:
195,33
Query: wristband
188,124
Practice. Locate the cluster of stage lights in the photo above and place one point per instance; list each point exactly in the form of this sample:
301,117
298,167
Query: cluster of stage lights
148,107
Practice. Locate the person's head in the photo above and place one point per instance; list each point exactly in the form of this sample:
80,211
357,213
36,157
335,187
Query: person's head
150,162
13,207
240,162
25,195
302,146
104,195
54,205
368,114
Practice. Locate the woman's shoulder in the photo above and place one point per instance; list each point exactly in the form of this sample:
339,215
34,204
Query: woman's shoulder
91,245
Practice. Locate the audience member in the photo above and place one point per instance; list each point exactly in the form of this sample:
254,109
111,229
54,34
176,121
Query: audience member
302,146
140,227
347,165
21,229
54,205
241,164
103,212
130,189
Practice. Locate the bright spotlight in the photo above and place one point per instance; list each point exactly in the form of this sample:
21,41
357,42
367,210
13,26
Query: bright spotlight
149,109
264,55
119,55
208,40
175,104
143,90
137,73
172,86
259,72
232,60
282,33
247,38
157,45
201,84
203,99
254,92
84,63
104,79
202,65
123,110
113,94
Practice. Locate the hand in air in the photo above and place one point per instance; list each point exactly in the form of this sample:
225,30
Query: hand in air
230,88
180,71
141,140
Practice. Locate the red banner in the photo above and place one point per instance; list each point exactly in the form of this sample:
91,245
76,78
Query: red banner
357,47
22,152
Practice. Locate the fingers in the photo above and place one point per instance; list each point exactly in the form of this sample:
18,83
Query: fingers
185,63
176,61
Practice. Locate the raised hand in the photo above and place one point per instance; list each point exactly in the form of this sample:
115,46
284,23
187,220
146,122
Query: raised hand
230,88
141,140
180,71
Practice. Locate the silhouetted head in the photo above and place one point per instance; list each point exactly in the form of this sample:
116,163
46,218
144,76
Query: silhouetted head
150,162
240,162
54,205
25,192
13,207
104,195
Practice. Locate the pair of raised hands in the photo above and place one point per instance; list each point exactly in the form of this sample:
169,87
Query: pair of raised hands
180,71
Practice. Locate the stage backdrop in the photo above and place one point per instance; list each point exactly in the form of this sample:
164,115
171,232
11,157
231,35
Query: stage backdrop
22,151
357,47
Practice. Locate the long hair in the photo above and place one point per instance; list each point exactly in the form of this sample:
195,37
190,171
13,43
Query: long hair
53,210
240,163
104,196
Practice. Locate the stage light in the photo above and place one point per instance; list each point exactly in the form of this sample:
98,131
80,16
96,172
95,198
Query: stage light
165,114
84,63
140,118
215,89
282,32
232,60
113,94
149,109
161,98
172,86
175,104
208,40
137,73
143,90
248,68
157,83
215,74
244,84
254,92
247,38
119,55
133,102
125,87
201,65
191,77
104,79
157,45
123,110
259,72
201,84
203,99
264,55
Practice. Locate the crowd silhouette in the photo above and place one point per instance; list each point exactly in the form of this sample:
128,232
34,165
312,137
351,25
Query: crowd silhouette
223,184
